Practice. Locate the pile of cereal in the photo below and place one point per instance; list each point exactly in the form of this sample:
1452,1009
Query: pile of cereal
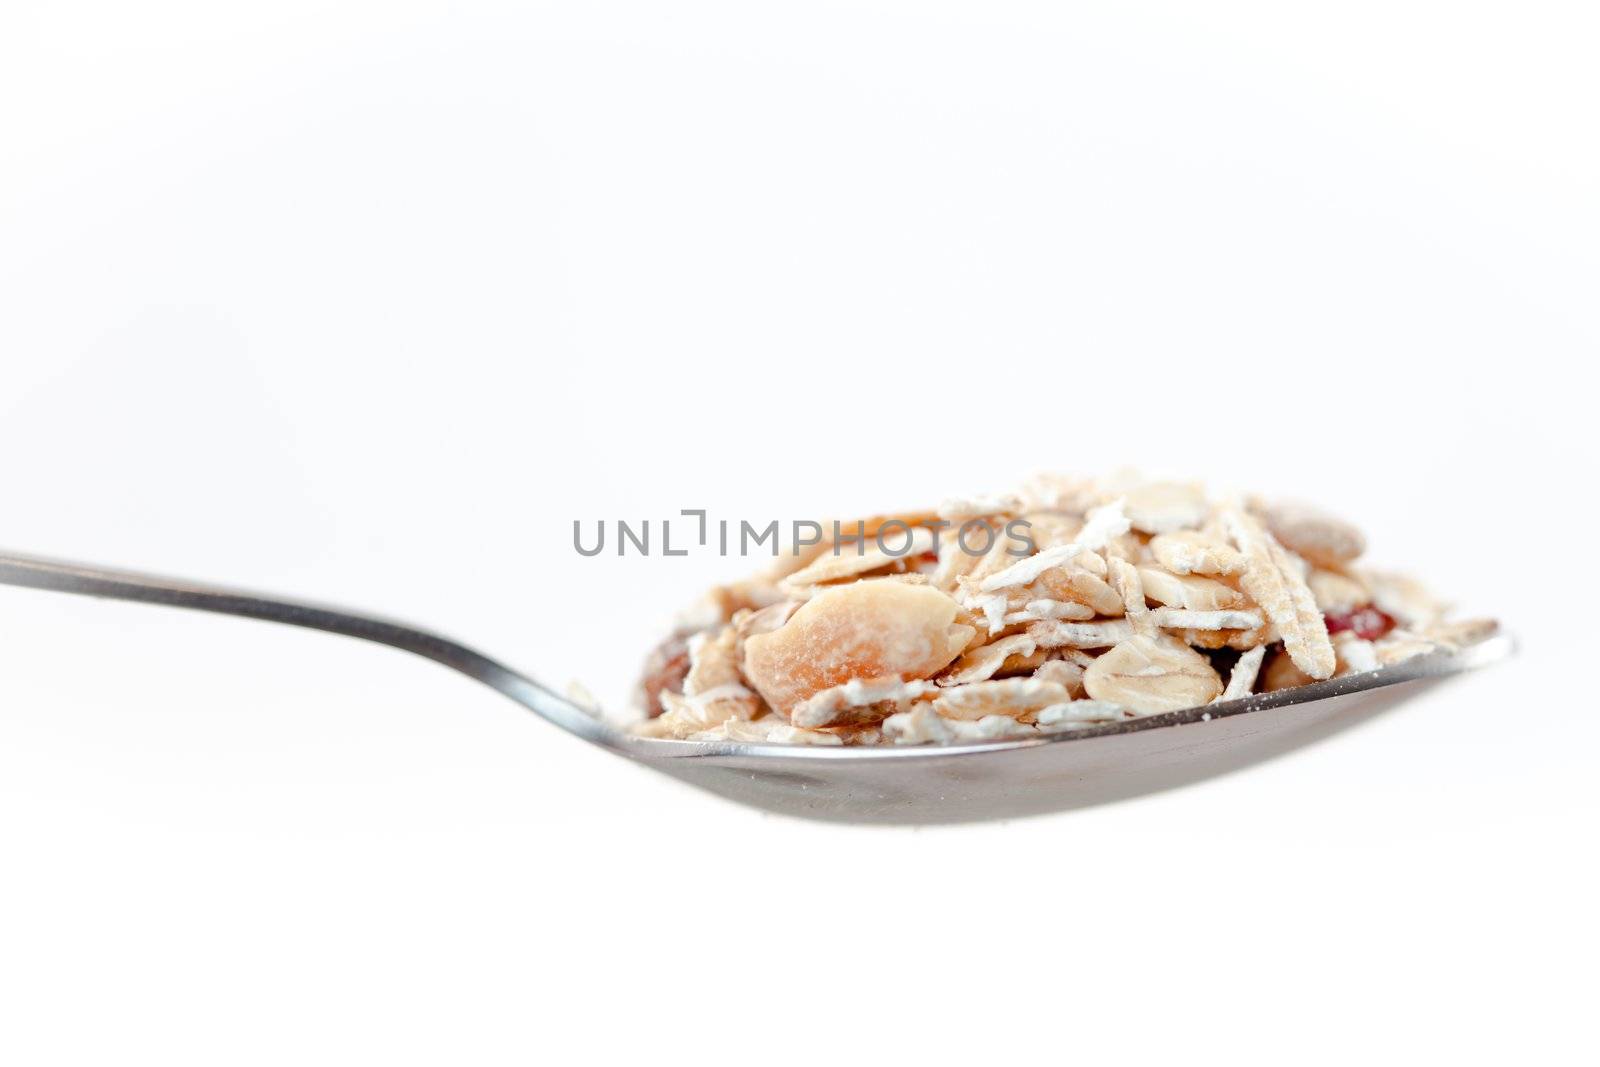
1071,604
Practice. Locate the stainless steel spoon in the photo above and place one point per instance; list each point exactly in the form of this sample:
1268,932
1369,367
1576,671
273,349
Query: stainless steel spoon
966,782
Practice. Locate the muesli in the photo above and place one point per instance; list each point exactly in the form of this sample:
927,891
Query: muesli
1068,605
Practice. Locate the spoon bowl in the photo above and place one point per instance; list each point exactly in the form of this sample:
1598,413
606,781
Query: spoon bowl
960,782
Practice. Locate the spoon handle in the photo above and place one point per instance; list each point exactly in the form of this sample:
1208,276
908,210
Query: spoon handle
89,580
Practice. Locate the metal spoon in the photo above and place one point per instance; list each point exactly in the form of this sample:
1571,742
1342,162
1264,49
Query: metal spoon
967,782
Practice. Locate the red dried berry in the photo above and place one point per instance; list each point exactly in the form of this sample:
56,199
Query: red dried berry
1366,622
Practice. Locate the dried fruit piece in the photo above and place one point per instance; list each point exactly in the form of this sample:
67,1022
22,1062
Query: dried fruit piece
1367,623
1152,674
868,629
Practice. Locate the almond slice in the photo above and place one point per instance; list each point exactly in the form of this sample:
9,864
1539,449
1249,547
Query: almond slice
868,629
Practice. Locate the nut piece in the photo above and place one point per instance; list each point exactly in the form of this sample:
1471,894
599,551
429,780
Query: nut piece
1152,674
869,629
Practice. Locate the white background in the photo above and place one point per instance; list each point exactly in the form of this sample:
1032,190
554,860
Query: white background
368,301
